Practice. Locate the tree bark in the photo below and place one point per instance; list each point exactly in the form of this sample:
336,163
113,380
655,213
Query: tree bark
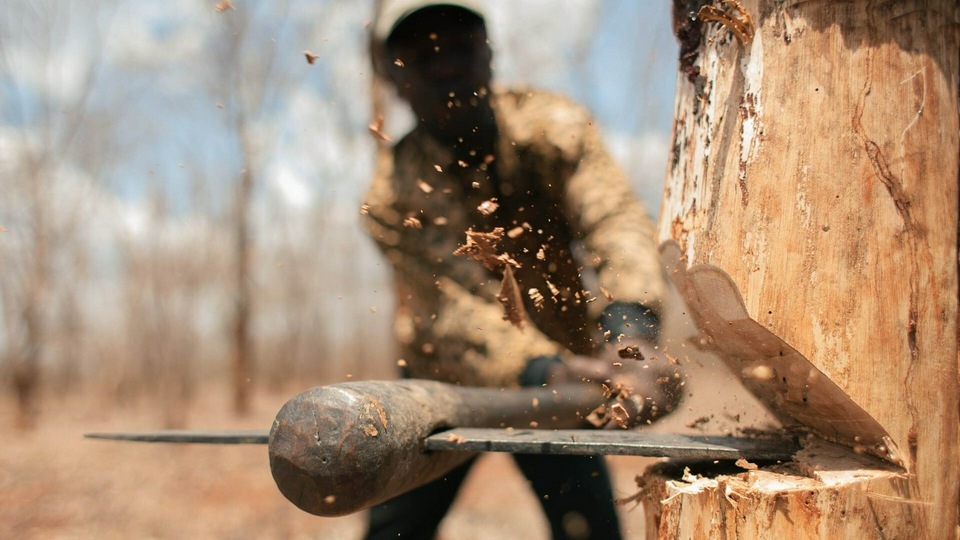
815,163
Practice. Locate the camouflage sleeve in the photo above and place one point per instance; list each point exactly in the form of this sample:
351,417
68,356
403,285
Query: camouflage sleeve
618,235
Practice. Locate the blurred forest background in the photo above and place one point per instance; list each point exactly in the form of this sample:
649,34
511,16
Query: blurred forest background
179,186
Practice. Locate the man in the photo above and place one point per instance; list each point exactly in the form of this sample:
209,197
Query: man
519,253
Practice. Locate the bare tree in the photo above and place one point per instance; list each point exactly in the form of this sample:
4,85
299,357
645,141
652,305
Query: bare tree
53,74
251,78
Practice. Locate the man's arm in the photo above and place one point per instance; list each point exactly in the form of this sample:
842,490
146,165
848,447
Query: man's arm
617,233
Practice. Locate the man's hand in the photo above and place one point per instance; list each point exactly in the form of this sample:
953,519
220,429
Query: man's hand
639,387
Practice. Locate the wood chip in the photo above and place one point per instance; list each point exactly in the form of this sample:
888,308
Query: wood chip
620,415
606,294
537,298
488,207
482,247
744,464
424,187
511,299
631,351
375,127
223,5
598,417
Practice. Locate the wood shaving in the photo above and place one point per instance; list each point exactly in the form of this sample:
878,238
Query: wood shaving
733,16
488,207
482,247
312,59
744,464
620,415
606,294
424,187
375,127
537,298
631,351
598,417
554,291
455,439
515,232
511,299
697,422
223,5
412,223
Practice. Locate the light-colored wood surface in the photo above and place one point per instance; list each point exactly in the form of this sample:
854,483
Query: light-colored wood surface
816,165
828,493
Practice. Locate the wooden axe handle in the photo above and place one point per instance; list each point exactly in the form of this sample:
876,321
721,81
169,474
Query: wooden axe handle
338,449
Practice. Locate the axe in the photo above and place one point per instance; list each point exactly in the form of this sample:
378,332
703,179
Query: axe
338,449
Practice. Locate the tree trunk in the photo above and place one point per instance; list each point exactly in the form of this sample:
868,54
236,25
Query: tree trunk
815,163
26,369
242,346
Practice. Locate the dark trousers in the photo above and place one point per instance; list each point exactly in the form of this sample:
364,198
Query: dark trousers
574,491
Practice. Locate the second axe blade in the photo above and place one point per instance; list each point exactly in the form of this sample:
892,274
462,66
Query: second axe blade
611,443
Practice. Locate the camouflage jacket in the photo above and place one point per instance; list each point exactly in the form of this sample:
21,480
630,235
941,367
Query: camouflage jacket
571,222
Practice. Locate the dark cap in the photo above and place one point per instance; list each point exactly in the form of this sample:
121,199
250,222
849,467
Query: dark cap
393,12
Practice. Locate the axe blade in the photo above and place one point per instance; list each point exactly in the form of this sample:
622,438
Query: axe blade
612,443
187,436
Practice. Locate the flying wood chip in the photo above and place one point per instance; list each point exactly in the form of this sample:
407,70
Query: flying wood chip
511,298
482,247
375,127
488,207
631,351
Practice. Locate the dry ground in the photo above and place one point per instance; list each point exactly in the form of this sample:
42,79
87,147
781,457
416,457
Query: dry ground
54,484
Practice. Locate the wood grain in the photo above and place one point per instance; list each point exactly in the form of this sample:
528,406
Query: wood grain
817,166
